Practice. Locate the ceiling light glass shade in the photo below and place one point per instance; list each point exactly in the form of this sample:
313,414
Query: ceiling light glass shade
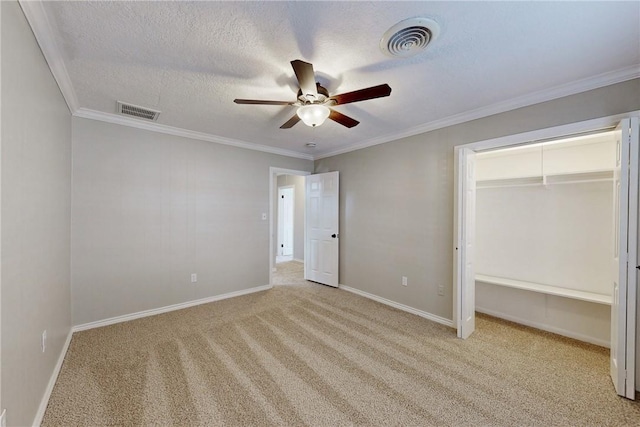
313,115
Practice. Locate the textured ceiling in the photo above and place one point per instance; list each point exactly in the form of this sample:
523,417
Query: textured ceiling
191,59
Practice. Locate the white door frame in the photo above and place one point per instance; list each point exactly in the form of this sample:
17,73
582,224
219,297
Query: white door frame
511,140
273,191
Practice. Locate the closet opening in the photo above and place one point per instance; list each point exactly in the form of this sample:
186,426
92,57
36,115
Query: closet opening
544,232
545,221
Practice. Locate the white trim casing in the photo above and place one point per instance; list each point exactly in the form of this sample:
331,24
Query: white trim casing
166,309
555,132
399,306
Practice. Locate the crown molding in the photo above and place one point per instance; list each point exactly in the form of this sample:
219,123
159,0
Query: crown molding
43,32
117,119
583,85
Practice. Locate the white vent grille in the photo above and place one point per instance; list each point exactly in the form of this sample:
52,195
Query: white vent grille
137,111
409,37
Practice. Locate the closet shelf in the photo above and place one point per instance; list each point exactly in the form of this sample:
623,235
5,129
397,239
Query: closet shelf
549,179
545,289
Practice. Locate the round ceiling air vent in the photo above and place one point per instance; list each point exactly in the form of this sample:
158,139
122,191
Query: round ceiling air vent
409,37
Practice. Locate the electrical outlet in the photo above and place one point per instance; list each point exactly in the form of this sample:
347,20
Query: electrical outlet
404,281
194,277
3,418
43,343
441,290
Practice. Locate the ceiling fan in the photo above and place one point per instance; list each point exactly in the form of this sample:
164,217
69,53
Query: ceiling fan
314,103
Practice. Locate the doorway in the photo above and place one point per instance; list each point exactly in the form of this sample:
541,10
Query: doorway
286,221
286,254
622,295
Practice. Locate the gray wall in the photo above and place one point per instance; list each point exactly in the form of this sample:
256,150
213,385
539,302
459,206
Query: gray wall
36,191
298,213
150,209
396,199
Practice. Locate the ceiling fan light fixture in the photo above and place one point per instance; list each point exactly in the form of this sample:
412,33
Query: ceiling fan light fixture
314,101
313,114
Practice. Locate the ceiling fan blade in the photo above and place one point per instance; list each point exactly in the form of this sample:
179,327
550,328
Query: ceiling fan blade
292,121
306,77
362,94
342,119
261,102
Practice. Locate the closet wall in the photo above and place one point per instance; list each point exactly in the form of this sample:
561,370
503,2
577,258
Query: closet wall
544,222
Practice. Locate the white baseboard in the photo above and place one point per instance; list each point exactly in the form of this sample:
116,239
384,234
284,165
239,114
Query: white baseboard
154,311
399,306
545,327
52,381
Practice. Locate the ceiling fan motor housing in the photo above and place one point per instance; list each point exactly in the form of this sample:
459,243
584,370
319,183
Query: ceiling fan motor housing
323,95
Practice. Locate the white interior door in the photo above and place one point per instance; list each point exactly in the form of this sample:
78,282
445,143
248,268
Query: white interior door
625,212
321,228
467,295
285,221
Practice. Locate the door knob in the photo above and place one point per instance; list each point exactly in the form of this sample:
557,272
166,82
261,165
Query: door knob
334,236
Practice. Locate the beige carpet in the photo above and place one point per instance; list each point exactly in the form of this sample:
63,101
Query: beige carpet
288,273
318,356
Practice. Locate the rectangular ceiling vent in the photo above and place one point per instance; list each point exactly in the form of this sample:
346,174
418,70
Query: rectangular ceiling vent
137,111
